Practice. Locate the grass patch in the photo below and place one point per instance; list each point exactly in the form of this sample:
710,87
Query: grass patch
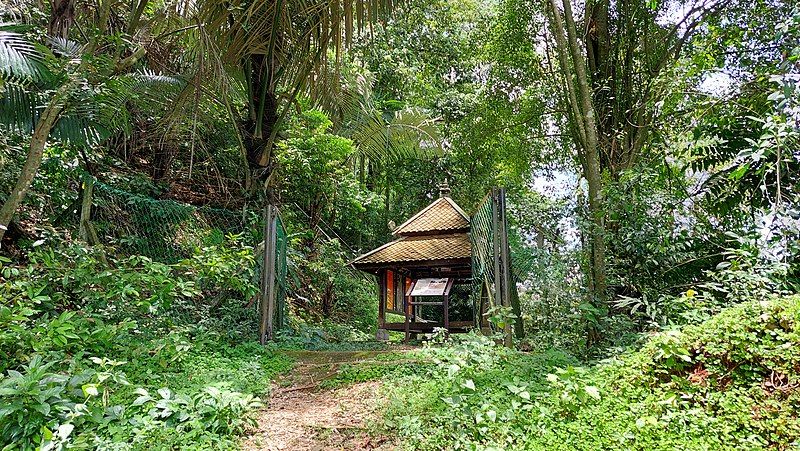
389,365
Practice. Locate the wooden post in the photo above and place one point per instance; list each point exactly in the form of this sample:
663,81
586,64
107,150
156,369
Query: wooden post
382,299
406,309
446,312
265,274
86,208
272,277
447,305
505,278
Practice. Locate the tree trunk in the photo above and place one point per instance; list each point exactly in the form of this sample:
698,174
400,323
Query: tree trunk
38,141
263,118
580,101
602,66
61,17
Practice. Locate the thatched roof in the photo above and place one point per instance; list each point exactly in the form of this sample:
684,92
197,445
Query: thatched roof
437,233
442,216
419,248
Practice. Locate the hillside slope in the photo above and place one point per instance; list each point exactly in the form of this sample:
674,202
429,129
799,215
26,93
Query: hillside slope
730,383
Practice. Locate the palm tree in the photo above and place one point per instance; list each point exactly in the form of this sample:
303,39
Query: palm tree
264,53
20,62
269,52
59,91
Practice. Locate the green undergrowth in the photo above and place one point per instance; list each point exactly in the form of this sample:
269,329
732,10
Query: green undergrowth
325,336
245,368
729,383
100,352
382,366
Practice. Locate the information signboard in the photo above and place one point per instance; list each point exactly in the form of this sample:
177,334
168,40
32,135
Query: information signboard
430,287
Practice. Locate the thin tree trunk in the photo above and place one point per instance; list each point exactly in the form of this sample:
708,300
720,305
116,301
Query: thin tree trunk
38,141
579,97
260,126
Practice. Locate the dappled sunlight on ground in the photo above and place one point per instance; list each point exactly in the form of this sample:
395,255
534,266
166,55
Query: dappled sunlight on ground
301,416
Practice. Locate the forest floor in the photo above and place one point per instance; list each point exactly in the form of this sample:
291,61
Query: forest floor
304,415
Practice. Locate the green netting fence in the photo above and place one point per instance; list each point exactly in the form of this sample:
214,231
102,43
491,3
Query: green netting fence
166,230
169,231
494,265
281,272
483,258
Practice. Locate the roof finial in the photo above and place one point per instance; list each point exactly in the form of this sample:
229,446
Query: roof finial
444,189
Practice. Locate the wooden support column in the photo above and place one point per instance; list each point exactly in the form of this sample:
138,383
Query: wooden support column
447,312
407,309
447,304
381,298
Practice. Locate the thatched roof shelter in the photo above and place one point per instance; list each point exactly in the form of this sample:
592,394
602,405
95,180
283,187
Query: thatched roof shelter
434,244
434,236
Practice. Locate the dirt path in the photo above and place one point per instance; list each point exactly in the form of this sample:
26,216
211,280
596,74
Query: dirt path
302,416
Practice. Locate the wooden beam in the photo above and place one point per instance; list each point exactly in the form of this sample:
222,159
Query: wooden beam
454,263
428,326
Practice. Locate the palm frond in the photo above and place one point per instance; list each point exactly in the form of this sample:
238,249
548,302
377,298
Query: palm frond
411,133
113,101
65,47
18,57
18,107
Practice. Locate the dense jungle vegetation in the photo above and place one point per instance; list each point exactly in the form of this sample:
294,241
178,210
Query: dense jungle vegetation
650,150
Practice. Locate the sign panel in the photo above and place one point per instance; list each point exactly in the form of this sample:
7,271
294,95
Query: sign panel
429,287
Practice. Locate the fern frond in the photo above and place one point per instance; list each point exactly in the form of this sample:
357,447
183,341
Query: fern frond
65,47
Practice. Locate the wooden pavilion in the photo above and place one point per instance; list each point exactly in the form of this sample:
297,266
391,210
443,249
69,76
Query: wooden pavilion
431,254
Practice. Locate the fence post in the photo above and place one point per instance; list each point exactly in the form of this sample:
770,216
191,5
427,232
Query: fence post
265,274
273,237
509,290
86,208
498,300
505,274
280,274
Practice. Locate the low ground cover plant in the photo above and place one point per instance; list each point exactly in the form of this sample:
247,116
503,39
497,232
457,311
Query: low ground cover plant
728,383
129,354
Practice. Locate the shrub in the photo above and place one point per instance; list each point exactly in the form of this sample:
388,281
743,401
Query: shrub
68,304
728,383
